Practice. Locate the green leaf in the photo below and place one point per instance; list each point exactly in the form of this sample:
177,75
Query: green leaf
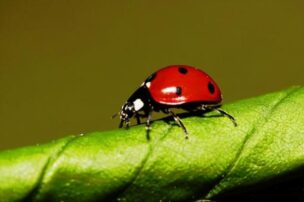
216,161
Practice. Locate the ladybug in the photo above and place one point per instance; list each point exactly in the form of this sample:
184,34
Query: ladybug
175,86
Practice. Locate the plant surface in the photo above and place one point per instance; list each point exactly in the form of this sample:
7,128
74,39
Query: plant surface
217,162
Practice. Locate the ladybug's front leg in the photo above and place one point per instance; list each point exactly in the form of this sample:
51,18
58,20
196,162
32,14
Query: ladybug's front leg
127,121
121,124
137,116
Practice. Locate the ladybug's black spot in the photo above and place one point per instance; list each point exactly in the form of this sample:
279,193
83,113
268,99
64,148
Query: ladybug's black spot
182,70
151,77
211,87
178,91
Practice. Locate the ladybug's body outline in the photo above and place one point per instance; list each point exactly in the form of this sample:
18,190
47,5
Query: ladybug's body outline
175,86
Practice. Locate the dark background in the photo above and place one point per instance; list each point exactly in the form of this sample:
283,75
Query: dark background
67,66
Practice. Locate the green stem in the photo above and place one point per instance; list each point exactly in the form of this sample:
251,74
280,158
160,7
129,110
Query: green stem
218,159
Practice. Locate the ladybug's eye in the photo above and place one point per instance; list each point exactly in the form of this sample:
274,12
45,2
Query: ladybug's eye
211,87
182,70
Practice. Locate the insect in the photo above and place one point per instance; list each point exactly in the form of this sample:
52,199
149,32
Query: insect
175,86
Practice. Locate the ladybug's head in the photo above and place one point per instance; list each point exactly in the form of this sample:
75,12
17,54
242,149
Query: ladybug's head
126,112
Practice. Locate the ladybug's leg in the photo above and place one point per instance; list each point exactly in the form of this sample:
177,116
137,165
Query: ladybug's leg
127,123
179,122
222,112
137,116
121,124
219,110
148,124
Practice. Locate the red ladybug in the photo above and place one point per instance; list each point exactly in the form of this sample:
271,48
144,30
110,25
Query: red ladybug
176,86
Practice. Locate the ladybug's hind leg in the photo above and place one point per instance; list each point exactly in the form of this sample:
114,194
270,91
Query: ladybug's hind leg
179,122
222,112
219,110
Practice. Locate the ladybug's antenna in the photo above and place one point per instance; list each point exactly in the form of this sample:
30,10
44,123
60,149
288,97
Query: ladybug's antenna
114,115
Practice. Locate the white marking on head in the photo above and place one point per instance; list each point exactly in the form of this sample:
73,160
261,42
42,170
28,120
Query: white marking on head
169,90
138,104
148,84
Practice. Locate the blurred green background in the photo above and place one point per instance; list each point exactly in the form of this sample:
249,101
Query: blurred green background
67,66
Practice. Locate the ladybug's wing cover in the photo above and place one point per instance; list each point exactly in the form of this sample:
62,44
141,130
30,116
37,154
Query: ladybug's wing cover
175,85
